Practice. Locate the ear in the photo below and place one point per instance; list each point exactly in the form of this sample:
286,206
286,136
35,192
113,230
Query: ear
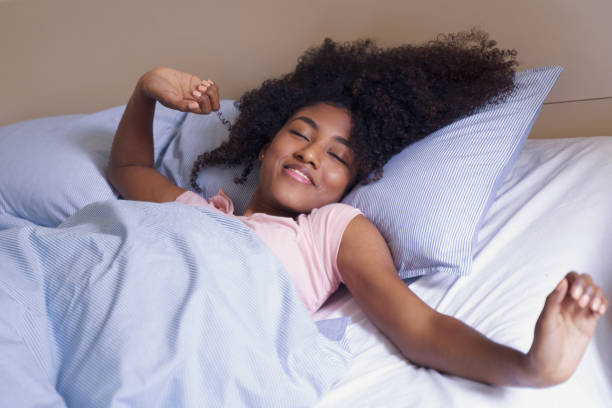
262,152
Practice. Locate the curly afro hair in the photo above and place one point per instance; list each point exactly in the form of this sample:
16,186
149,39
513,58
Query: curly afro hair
395,96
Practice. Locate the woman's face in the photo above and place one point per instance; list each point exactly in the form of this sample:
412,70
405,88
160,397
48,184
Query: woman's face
308,164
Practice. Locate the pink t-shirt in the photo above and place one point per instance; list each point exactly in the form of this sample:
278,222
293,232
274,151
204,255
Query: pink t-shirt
306,247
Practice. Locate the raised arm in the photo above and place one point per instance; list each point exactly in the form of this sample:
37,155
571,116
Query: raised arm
130,168
432,339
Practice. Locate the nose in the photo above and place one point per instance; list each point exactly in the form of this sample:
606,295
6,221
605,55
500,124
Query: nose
308,154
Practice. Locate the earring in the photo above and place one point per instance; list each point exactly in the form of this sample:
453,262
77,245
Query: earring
261,156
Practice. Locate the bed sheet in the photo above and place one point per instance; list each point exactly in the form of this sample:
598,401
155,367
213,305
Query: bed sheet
553,214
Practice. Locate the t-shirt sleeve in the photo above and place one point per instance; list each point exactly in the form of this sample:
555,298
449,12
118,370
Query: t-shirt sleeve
220,202
191,198
328,224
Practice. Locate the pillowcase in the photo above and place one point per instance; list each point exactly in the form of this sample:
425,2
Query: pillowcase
51,167
433,195
428,205
202,133
432,198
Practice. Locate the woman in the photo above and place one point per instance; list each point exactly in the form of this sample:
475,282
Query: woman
318,131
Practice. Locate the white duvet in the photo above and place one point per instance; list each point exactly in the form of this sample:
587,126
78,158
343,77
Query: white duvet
552,215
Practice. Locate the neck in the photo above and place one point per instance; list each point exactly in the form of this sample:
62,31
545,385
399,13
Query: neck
257,205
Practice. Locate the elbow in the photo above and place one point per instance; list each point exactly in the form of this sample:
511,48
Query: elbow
112,175
109,174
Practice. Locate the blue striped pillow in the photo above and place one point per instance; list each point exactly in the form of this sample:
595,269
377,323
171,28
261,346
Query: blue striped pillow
53,166
433,195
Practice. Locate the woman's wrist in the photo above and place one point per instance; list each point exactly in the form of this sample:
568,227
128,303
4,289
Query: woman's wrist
534,375
516,369
141,91
528,373
519,368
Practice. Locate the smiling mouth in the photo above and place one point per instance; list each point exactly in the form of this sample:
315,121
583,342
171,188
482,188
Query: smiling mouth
297,175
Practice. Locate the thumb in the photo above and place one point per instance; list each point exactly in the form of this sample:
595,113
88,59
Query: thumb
554,299
189,106
557,295
183,105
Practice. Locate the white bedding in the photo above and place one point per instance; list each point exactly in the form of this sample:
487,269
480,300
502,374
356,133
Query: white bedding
552,215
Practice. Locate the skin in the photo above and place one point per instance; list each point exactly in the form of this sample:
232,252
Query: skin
316,141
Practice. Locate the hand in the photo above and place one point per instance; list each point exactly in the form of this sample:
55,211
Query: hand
180,90
564,329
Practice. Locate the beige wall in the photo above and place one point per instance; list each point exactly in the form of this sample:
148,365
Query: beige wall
70,56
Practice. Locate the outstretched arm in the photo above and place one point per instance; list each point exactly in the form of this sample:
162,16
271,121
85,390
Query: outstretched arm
432,339
130,168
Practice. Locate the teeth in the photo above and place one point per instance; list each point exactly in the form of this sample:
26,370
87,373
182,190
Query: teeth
300,173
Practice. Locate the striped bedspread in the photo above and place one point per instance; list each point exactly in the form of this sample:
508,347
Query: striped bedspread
141,304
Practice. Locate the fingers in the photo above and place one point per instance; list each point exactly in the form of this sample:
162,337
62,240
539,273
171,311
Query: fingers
213,92
586,294
206,94
599,303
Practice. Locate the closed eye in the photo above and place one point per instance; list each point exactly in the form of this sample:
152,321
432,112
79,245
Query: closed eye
335,156
298,134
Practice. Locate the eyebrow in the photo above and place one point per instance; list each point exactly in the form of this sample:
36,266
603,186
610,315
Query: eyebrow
309,121
312,123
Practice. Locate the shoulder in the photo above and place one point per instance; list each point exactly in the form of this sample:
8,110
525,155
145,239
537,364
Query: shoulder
363,251
324,228
334,210
361,232
330,221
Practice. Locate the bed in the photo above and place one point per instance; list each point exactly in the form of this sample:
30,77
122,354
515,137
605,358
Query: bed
531,237
544,210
